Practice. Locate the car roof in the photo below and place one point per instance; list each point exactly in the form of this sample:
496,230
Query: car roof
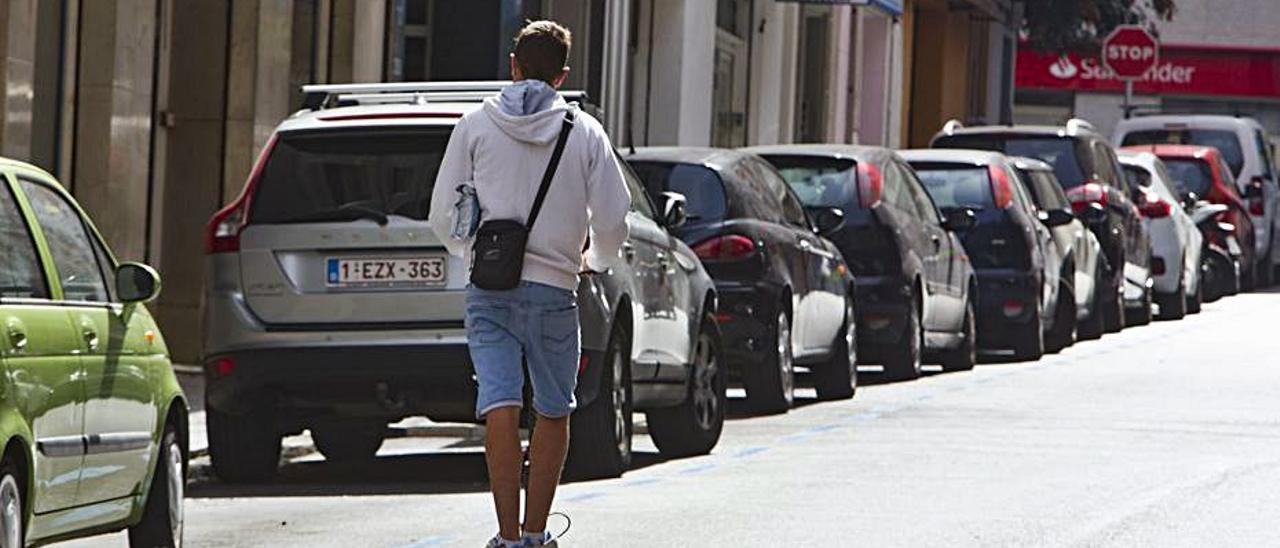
380,115
1174,151
12,164
1218,121
1137,157
953,155
715,158
834,150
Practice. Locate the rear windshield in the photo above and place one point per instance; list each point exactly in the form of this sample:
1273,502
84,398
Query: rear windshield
817,181
1224,141
956,185
321,176
1190,176
701,187
1059,152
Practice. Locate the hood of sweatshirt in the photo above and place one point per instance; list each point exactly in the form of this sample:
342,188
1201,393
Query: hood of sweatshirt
540,126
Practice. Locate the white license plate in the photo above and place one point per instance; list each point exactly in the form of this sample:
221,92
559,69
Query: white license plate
370,271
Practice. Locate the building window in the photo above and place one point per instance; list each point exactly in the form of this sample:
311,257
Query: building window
729,81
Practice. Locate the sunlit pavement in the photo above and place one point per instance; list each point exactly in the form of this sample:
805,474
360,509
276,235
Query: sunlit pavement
1165,435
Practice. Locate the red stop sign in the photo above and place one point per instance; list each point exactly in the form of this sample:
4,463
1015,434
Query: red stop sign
1130,51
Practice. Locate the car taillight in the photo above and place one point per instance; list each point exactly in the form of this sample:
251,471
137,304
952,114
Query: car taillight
1001,186
221,367
722,248
1083,196
1155,208
1157,266
223,233
870,185
1257,207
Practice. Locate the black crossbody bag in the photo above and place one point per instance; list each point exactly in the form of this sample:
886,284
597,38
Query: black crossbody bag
497,256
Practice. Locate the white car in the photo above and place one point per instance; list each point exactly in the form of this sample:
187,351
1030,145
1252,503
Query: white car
1175,240
1244,145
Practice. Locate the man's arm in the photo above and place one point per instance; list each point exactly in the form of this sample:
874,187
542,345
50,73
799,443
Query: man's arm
455,168
607,203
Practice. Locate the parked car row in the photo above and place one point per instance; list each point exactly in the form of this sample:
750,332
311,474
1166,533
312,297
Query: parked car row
331,308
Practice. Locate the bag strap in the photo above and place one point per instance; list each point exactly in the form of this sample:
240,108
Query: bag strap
551,169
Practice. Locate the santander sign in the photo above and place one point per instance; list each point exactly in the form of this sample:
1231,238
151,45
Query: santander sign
1168,72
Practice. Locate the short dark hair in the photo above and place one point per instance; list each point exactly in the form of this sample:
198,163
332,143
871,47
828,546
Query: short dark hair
542,50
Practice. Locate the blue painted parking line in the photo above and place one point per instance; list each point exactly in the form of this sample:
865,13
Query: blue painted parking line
747,452
430,541
585,496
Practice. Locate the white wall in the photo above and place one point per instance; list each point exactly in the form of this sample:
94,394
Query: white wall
1224,22
876,75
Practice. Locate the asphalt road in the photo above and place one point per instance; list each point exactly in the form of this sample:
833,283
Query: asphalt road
1166,435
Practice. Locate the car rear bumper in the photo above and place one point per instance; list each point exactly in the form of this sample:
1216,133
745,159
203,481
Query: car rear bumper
883,303
746,317
1007,303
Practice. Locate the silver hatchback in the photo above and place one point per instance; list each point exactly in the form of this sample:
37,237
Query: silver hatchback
332,307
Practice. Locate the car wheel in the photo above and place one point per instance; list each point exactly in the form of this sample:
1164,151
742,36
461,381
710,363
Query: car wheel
838,378
1248,281
771,385
162,517
1113,309
12,516
694,426
1174,305
1142,314
600,433
965,356
1092,326
1265,269
243,448
1029,342
1064,322
350,442
1193,301
902,359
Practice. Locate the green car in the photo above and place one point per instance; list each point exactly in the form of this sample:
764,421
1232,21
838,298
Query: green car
92,417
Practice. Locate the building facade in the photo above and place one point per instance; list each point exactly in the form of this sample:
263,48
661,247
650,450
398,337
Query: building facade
1215,57
153,111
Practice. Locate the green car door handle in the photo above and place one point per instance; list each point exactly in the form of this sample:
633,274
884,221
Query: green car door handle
91,338
18,339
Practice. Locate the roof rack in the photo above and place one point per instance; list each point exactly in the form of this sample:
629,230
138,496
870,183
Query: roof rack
323,96
1076,125
951,126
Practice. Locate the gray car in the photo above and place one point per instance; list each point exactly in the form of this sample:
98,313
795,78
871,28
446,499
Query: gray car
331,306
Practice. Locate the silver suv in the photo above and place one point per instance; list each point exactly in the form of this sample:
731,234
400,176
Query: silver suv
331,306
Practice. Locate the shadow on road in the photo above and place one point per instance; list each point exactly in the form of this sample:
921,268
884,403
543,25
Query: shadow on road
417,474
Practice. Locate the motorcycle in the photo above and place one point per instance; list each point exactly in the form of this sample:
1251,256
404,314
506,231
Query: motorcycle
1220,255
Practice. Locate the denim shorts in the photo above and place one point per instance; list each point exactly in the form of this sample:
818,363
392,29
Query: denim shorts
534,323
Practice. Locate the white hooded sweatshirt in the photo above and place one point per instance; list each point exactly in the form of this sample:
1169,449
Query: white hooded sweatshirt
503,156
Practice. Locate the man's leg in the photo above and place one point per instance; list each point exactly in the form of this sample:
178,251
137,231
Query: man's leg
503,455
546,459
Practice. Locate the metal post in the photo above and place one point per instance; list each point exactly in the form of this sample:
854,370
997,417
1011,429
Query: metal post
1128,99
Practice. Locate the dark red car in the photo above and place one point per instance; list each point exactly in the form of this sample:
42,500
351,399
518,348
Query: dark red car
1203,171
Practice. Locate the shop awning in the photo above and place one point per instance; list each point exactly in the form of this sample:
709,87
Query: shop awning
892,7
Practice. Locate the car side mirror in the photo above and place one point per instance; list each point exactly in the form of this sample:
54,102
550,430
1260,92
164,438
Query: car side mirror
957,219
828,220
1253,189
1056,217
1094,213
137,283
1189,199
675,209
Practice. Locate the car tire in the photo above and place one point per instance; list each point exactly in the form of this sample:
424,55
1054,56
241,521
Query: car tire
1195,300
1064,329
1142,314
13,529
771,385
1265,268
1029,341
1113,310
349,442
838,378
902,359
1092,326
243,448
1174,305
1248,279
600,433
694,426
965,356
163,514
